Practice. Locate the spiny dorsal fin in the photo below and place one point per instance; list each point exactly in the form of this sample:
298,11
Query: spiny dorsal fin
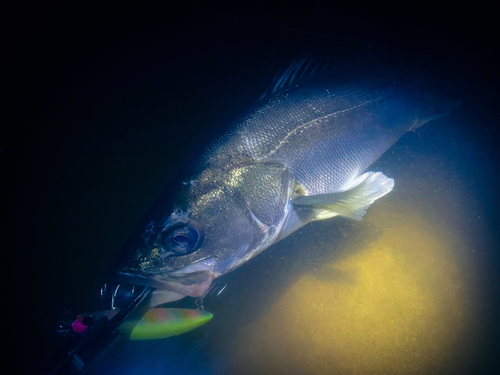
296,72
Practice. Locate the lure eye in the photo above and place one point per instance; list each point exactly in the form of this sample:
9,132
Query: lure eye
182,240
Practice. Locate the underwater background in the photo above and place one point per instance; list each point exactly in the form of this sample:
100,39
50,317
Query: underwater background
105,105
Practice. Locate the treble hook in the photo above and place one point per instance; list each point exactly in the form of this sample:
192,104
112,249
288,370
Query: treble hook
210,291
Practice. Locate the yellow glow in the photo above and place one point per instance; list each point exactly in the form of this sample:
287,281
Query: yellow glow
395,303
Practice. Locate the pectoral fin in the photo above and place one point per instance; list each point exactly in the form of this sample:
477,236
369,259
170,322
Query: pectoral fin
353,203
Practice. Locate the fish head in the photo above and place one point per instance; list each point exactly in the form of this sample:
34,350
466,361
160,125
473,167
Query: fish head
223,223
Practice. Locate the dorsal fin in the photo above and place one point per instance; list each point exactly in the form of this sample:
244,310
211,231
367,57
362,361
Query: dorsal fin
296,72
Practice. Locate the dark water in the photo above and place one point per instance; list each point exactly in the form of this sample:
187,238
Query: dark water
104,107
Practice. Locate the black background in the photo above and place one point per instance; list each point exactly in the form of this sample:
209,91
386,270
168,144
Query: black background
102,104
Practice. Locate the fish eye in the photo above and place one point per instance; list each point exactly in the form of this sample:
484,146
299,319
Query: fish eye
181,240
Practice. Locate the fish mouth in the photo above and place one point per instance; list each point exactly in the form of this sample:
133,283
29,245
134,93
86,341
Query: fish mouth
206,264
193,280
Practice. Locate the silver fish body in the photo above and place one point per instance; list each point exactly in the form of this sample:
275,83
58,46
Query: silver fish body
299,154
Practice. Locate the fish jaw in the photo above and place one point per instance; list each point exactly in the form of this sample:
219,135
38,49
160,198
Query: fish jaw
193,281
193,285
171,290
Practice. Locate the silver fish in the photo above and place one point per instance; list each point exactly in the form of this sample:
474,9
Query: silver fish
299,154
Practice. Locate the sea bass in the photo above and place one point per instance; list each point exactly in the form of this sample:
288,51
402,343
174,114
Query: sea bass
300,154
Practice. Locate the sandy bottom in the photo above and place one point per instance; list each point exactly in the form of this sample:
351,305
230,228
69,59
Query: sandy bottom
396,301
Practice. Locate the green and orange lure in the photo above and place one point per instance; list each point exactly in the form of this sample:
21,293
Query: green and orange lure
160,323
157,323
